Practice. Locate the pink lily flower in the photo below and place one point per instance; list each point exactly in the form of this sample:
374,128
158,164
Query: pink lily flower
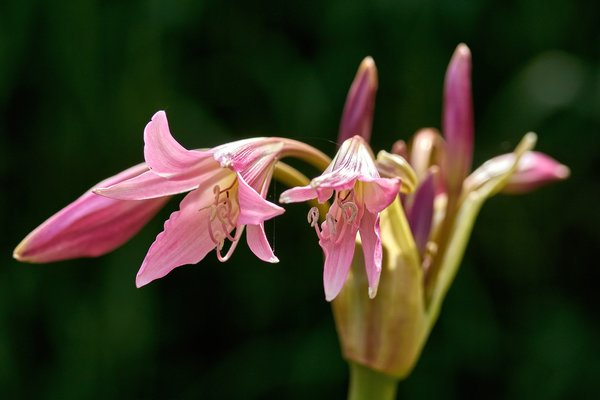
90,226
228,187
360,194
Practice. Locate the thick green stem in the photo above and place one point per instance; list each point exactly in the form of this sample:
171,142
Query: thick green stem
306,153
368,384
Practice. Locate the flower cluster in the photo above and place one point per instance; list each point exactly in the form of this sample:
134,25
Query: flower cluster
393,227
425,230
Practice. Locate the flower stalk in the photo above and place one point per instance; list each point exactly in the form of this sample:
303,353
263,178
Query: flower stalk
367,384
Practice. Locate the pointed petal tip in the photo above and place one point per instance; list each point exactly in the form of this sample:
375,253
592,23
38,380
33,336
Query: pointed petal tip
298,194
562,172
462,50
284,198
332,289
18,253
141,280
367,66
527,143
372,292
160,114
367,62
329,297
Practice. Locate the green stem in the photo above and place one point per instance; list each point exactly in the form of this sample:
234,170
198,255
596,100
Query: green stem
306,153
292,177
368,384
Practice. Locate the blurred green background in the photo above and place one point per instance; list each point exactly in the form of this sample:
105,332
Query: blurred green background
79,80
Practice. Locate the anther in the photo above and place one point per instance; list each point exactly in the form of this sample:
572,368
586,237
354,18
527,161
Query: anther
313,216
313,220
221,210
349,206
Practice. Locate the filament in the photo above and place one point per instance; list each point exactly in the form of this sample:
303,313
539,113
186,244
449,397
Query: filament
221,220
341,214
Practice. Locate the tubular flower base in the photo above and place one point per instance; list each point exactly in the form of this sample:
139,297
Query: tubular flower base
409,213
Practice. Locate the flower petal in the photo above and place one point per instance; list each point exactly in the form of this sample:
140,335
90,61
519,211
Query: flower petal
163,154
150,185
420,212
298,194
371,246
184,240
380,192
90,226
253,208
251,157
258,243
338,256
392,165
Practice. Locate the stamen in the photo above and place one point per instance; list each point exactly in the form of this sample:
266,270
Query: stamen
313,216
346,204
353,208
331,221
222,209
224,216
210,231
313,220
234,243
347,210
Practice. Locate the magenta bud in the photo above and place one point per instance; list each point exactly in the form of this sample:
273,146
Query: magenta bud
534,170
420,211
357,118
91,226
457,119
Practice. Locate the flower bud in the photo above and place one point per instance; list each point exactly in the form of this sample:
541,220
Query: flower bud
534,170
91,226
425,150
357,118
457,124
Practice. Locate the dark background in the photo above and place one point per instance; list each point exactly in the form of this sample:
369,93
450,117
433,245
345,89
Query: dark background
80,79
